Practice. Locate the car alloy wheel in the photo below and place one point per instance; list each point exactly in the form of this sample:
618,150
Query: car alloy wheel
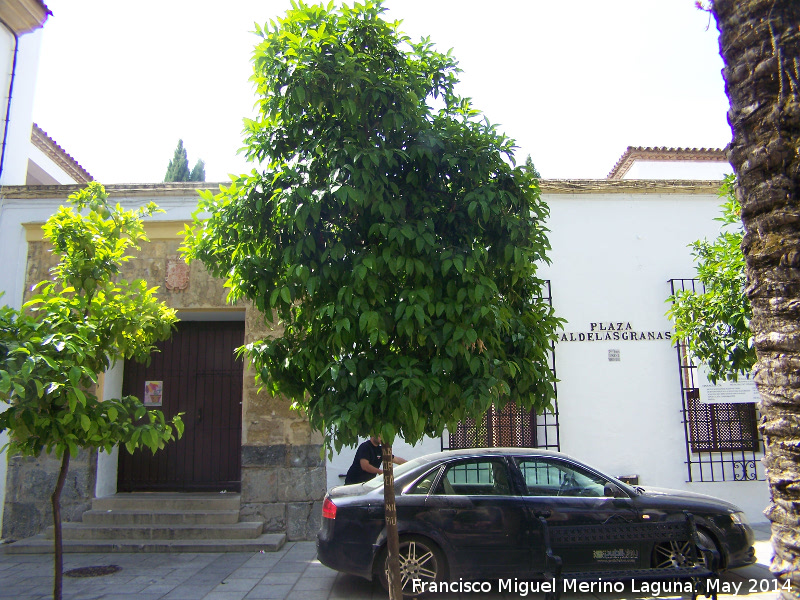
419,560
677,554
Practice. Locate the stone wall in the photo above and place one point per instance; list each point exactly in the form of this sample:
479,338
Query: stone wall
30,484
283,472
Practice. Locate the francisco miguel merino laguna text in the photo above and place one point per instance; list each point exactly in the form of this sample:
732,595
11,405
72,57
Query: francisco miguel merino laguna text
655,588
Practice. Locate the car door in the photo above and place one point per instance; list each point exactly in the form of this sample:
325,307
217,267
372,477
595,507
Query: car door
569,494
476,508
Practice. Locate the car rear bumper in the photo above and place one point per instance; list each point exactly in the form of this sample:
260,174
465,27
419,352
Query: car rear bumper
355,559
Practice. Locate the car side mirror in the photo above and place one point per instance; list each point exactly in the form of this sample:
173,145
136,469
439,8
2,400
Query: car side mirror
613,491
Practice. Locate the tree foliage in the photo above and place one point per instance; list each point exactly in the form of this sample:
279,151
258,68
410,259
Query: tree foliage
198,171
715,322
178,169
75,327
531,168
395,243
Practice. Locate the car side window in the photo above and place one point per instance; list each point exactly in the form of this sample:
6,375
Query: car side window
423,486
546,477
475,477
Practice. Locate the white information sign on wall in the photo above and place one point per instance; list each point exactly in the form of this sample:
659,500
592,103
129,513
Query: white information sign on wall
730,392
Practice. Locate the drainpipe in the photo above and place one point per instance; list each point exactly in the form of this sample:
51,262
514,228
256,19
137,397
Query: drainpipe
10,92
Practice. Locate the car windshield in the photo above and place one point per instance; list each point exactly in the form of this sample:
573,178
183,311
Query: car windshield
399,471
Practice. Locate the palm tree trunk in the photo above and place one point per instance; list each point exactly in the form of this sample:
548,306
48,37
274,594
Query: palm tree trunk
55,499
760,45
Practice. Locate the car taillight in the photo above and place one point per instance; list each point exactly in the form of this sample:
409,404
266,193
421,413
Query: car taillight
328,509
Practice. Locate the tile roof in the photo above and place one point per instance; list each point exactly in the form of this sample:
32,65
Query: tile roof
662,153
58,155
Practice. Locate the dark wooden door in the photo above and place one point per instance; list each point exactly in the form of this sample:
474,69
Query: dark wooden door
202,378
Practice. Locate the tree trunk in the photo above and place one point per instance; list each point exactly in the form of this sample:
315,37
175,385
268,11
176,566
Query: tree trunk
55,499
760,45
392,539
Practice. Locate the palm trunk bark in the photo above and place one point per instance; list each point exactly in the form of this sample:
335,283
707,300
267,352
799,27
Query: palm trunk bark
760,45
58,554
392,538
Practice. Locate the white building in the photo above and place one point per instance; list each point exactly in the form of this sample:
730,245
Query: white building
624,403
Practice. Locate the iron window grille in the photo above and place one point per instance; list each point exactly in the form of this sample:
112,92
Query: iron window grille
722,440
511,426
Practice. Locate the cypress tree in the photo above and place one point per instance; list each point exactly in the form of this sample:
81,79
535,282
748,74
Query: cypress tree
178,169
198,172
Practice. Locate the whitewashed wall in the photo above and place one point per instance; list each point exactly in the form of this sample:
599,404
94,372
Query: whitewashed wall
612,256
15,164
42,170
677,169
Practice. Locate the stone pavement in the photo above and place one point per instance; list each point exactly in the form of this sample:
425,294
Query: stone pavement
293,573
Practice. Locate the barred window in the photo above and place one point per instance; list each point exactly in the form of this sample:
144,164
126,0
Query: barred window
721,427
722,439
510,427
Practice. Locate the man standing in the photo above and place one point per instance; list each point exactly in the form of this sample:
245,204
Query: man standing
367,462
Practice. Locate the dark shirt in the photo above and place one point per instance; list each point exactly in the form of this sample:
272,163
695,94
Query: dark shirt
355,473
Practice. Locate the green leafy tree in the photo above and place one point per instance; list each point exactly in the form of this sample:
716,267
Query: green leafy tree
716,322
74,328
178,169
395,243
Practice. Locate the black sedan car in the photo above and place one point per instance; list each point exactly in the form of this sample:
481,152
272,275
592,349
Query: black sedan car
474,515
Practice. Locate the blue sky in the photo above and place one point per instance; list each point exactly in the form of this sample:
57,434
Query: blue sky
574,83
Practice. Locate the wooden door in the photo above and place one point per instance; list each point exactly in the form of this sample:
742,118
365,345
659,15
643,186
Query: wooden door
202,378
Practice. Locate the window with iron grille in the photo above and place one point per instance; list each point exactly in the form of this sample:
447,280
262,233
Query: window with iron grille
721,427
722,440
511,426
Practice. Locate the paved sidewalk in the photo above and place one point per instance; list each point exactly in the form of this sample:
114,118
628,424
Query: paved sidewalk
290,574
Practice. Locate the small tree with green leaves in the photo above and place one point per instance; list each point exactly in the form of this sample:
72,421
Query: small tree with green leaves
395,242
716,322
178,169
74,328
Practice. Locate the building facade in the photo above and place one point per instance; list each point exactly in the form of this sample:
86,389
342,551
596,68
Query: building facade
628,398
236,440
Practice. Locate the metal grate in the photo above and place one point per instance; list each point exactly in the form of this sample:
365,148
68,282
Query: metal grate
511,426
721,427
722,440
